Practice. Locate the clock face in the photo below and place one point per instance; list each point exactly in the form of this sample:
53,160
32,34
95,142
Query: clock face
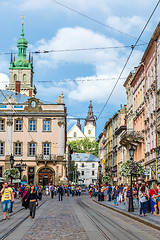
33,104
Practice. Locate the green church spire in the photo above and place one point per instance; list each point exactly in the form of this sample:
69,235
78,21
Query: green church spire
21,62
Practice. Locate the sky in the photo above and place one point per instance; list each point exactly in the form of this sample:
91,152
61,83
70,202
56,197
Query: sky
82,74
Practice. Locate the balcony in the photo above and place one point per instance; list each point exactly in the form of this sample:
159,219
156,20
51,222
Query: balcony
130,137
46,158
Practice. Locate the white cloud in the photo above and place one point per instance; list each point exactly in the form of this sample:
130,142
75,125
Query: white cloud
4,80
106,63
127,24
71,38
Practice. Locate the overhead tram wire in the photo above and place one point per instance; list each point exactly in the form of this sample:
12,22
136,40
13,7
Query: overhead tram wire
94,20
75,49
133,47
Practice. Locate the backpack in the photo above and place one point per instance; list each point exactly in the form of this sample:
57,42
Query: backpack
60,189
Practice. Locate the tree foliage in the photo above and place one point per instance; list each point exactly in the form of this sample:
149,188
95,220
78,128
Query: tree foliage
73,171
85,145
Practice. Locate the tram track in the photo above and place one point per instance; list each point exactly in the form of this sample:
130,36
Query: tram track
92,214
5,235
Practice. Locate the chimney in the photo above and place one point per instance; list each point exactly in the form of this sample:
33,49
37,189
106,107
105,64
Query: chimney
78,123
30,92
18,86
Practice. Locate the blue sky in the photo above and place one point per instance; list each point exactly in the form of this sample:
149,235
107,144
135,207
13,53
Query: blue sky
49,26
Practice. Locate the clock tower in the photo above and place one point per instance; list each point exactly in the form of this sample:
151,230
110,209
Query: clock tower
21,70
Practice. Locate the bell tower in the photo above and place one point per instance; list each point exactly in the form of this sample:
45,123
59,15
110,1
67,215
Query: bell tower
90,124
21,70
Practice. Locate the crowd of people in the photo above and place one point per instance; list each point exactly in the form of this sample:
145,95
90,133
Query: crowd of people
30,194
144,197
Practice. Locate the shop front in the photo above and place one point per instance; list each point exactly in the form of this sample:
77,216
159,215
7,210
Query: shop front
46,176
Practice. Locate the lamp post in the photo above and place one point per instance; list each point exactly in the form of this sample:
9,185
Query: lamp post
131,208
20,166
11,160
12,163
99,181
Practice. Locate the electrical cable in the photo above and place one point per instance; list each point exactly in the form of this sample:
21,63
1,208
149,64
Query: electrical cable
128,59
75,49
94,20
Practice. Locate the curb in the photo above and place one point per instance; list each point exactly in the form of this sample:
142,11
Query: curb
130,216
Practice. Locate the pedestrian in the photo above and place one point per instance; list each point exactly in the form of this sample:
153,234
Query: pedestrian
105,192
109,192
52,190
68,191
120,199
156,199
55,190
11,209
47,191
153,192
80,190
25,202
32,198
116,192
60,193
7,198
143,198
40,190
90,192
72,190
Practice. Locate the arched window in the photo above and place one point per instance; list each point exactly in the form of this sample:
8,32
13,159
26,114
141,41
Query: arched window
89,131
75,134
24,77
15,77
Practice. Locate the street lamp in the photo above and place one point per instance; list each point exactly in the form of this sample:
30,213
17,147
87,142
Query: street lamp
22,167
11,160
99,182
131,208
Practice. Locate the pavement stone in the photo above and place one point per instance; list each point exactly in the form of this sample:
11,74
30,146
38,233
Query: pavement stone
57,221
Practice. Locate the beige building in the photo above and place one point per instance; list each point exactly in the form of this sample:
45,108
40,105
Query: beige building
33,131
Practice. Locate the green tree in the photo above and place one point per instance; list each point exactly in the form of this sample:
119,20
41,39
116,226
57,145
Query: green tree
85,145
73,171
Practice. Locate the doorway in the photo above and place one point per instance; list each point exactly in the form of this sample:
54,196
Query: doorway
46,176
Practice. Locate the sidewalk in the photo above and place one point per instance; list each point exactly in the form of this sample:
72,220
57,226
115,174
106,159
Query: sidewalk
150,220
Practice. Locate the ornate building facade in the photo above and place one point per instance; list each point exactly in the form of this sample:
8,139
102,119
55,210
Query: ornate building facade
33,131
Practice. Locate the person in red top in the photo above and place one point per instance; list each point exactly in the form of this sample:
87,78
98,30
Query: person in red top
153,192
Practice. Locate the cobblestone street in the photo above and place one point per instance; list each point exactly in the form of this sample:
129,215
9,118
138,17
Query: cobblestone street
57,221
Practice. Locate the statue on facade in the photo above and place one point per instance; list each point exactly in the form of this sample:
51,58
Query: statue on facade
60,99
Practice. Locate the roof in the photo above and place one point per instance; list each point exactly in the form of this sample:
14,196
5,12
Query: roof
84,157
18,97
13,97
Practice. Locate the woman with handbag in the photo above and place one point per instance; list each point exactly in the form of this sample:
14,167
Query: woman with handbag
143,198
156,199
32,198
25,202
153,192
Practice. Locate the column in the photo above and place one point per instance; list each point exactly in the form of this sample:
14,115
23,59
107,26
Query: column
9,136
61,136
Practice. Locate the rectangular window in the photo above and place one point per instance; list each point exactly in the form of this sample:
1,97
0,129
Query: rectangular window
0,171
18,126
32,125
82,173
1,125
92,165
18,148
92,173
32,149
82,164
46,149
1,148
47,125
